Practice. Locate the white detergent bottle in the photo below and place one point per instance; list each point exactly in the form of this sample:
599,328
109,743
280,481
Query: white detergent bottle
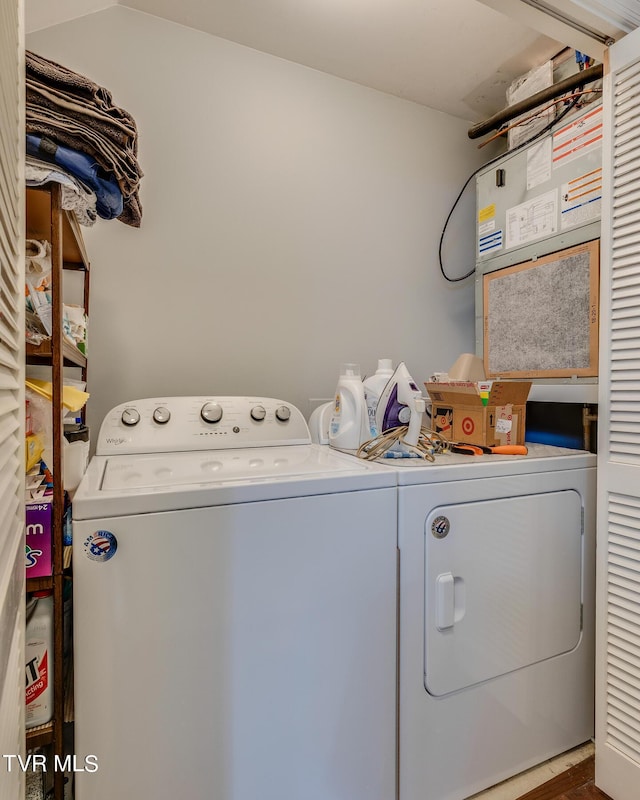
349,426
373,387
39,659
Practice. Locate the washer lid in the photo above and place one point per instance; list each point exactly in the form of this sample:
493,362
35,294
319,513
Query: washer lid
131,484
126,473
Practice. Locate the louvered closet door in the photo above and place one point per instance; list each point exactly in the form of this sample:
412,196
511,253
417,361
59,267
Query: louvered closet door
624,13
618,631
11,395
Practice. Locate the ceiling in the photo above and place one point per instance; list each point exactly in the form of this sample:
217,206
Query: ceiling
457,56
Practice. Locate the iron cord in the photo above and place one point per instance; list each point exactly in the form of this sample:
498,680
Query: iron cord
430,443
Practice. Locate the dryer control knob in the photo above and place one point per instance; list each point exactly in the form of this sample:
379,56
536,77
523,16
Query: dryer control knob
283,413
161,415
130,417
258,413
211,412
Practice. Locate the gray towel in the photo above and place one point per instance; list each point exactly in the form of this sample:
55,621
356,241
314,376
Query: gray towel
78,113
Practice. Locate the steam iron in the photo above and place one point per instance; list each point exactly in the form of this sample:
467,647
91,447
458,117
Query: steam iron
401,404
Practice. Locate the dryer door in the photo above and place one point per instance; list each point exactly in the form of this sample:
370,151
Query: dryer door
503,586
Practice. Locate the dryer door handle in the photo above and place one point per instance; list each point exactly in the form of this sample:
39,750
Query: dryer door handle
450,600
445,601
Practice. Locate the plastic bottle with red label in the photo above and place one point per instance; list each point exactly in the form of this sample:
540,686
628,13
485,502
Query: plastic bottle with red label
39,659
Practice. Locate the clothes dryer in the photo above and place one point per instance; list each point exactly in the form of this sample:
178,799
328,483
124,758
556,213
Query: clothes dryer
234,609
496,610
497,596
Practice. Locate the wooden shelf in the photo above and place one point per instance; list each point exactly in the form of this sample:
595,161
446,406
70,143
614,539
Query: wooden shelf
40,584
40,736
45,220
74,254
42,354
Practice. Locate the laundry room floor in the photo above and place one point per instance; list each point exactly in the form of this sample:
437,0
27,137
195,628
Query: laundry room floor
567,777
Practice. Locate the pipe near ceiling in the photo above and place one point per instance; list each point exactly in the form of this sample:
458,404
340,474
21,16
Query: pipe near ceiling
539,98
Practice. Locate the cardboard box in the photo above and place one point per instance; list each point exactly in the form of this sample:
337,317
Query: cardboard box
38,538
487,412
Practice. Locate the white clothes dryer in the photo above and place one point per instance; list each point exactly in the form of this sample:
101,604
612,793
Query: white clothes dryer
496,610
234,609
497,605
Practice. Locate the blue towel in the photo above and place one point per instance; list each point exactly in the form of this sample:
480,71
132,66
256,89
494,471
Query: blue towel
109,202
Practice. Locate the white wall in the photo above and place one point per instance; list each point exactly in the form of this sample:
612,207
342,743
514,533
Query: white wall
291,221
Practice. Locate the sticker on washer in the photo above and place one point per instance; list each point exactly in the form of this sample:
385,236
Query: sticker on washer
440,527
100,546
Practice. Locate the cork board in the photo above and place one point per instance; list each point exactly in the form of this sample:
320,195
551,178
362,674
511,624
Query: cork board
541,317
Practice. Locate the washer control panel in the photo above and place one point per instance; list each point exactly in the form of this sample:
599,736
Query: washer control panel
175,424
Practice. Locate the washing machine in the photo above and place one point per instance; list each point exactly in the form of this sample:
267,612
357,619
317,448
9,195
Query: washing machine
497,596
235,595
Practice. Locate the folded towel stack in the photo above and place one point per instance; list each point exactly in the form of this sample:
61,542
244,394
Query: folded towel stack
65,112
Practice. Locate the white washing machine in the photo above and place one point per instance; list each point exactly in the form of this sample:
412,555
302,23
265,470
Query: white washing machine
235,594
497,594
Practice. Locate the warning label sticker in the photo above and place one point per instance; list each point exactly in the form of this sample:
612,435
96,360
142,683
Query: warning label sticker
532,220
578,137
490,241
486,213
581,200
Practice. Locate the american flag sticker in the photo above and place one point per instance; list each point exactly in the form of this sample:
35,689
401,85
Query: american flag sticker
100,546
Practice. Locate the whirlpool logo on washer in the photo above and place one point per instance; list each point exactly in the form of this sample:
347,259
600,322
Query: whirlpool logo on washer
117,440
440,527
100,546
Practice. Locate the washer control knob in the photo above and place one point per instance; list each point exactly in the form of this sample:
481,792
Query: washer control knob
258,413
130,417
161,415
211,412
283,413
